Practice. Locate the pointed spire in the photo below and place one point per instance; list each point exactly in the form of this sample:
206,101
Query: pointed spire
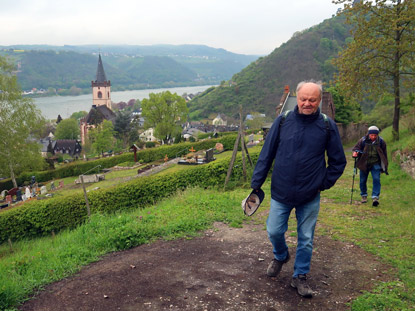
100,71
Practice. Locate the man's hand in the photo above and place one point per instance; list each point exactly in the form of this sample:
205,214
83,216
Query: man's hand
355,154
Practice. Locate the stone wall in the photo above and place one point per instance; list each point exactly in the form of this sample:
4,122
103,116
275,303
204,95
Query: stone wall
351,132
406,161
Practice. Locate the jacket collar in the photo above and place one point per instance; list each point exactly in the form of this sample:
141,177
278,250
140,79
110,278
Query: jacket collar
369,141
307,117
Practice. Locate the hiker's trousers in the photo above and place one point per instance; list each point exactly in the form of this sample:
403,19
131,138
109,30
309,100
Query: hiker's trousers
375,171
277,225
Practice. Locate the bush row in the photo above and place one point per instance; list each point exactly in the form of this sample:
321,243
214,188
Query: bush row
147,155
42,217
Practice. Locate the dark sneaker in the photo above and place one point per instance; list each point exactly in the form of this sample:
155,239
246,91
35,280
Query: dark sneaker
364,199
375,202
300,283
274,267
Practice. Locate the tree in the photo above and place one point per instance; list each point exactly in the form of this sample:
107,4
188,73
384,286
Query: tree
134,134
256,122
67,129
164,112
102,137
78,115
122,126
346,111
382,114
20,122
381,56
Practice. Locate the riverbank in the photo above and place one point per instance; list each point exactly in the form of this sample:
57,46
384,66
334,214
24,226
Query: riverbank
64,106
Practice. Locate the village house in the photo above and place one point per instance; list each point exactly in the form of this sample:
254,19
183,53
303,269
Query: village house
70,147
219,120
194,128
148,135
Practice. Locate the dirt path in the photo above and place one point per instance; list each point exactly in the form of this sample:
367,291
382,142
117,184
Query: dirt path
224,269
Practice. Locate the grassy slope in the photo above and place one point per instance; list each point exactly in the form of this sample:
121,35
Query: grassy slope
387,231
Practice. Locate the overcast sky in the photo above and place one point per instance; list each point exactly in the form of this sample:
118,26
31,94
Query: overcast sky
239,26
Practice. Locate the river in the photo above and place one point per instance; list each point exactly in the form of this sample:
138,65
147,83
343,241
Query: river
51,107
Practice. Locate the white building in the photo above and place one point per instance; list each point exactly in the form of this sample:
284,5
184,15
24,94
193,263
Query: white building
148,135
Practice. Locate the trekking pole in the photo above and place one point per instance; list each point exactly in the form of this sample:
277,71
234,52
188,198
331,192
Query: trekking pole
354,174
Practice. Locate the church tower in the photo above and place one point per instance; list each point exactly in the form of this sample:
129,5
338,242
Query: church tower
101,88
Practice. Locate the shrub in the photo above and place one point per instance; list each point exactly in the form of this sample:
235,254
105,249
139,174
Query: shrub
143,156
37,218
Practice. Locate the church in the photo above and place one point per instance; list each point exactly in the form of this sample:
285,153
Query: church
101,103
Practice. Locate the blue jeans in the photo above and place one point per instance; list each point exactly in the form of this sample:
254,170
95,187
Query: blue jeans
277,225
375,171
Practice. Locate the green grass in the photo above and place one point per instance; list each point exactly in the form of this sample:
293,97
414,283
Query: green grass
387,231
112,178
32,264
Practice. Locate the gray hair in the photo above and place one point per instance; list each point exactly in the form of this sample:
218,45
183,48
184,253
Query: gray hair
318,83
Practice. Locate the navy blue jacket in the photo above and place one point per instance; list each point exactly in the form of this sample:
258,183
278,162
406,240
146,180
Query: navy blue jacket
300,169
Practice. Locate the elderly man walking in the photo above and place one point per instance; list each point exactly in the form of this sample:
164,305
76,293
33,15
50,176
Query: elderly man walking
372,157
297,143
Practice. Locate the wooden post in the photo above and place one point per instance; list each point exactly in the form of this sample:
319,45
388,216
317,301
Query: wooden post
235,150
86,197
10,245
243,158
247,153
242,137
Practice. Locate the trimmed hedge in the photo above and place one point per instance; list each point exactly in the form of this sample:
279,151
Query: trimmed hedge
147,155
38,218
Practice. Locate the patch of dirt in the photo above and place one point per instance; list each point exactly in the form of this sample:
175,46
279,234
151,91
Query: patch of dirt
224,269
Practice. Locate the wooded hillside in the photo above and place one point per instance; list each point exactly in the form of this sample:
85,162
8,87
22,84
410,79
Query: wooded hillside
259,86
128,67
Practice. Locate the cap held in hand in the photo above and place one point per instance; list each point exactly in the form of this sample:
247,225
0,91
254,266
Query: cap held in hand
253,201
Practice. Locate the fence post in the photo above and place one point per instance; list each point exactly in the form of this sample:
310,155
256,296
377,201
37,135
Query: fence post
85,195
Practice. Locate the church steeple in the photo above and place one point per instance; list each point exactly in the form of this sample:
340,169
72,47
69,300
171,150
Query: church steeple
101,87
100,71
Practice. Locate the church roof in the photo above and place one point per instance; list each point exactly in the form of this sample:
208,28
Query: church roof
98,114
66,143
100,71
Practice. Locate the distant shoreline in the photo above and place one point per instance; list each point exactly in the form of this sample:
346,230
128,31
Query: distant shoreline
45,93
52,106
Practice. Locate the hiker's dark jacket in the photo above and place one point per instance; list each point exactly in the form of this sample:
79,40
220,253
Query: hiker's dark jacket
362,147
300,167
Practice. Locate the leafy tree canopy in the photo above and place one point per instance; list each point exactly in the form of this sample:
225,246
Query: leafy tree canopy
123,126
164,112
257,121
382,114
102,137
67,129
78,115
346,111
21,122
380,58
